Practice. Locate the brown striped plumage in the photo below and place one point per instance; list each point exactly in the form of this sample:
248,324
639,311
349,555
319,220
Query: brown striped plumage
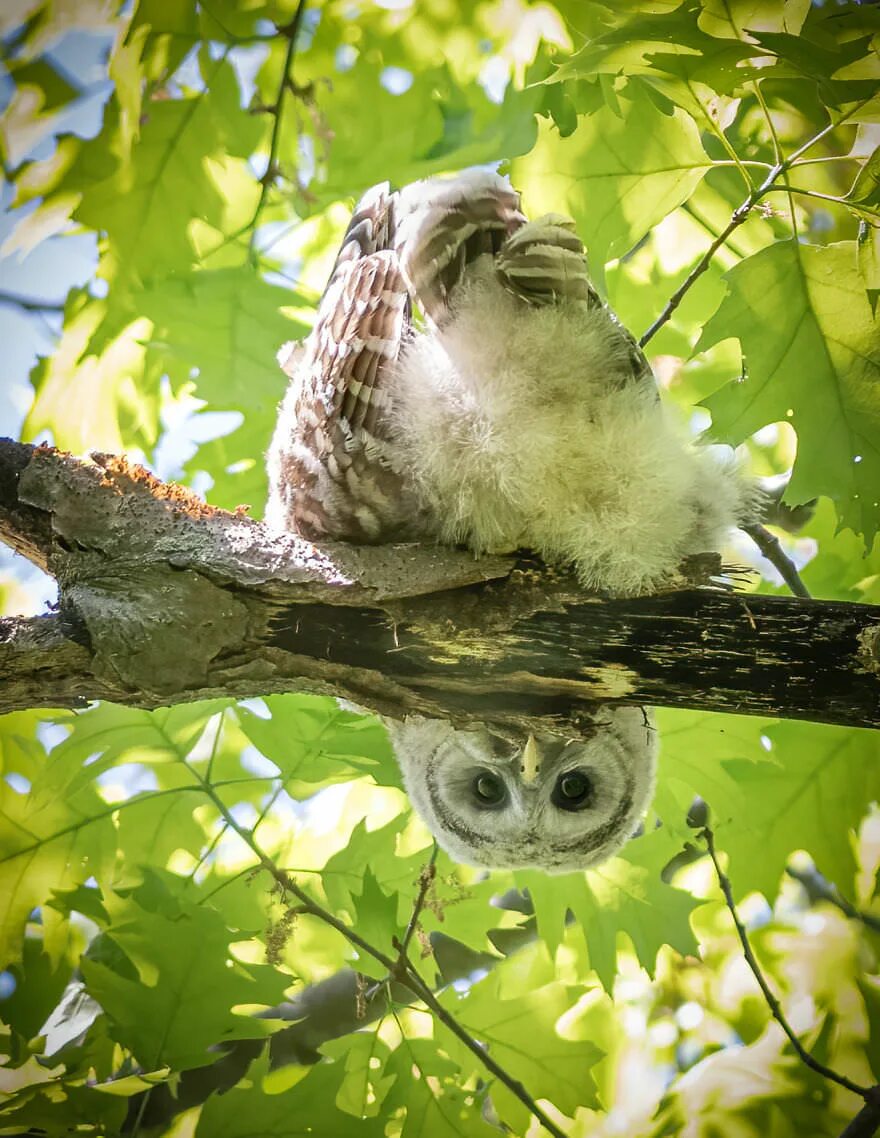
331,471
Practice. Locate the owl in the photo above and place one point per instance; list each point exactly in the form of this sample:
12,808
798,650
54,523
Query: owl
465,383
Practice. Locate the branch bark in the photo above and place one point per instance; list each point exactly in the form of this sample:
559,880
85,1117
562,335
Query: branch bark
164,599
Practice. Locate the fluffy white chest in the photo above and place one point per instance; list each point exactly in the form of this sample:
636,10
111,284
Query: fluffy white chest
524,427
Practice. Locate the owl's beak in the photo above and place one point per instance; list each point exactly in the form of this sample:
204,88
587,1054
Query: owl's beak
531,761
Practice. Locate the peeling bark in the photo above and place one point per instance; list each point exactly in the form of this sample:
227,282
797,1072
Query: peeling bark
164,599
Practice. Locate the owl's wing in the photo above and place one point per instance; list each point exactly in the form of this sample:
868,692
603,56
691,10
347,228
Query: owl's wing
445,224
361,319
328,469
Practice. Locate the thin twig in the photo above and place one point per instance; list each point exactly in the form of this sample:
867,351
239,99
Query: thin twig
853,206
136,1129
777,150
828,158
400,969
426,880
818,888
734,159
740,214
773,1004
291,31
770,547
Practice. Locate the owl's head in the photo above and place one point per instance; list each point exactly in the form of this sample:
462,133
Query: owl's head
545,801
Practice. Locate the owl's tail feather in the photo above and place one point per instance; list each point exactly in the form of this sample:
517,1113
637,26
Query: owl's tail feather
544,262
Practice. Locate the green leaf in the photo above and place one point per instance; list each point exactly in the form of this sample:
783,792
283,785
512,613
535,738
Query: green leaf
431,1089
364,1087
159,36
39,985
661,46
373,852
815,56
221,329
869,262
181,1003
866,188
798,310
521,1032
92,401
734,19
47,841
312,740
624,895
62,1107
232,466
306,1110
108,735
375,920
777,788
147,205
151,829
617,175
40,91
44,76
812,797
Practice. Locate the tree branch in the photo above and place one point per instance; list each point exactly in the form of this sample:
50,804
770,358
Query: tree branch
867,1093
164,599
770,547
867,1122
426,880
291,31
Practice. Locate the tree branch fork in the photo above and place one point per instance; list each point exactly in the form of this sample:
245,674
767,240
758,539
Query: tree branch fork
164,599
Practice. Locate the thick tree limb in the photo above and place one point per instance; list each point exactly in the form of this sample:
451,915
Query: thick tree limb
164,599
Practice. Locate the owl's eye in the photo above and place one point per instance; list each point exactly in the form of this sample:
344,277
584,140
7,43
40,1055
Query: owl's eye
488,789
573,791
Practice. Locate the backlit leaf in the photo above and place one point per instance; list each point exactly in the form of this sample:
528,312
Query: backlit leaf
617,175
799,311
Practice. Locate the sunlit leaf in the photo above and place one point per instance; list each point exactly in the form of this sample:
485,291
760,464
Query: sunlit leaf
307,1110
799,311
364,1087
428,1086
734,19
522,1033
625,895
617,175
188,982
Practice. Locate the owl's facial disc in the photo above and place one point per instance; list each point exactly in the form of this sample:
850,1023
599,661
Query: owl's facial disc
550,802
